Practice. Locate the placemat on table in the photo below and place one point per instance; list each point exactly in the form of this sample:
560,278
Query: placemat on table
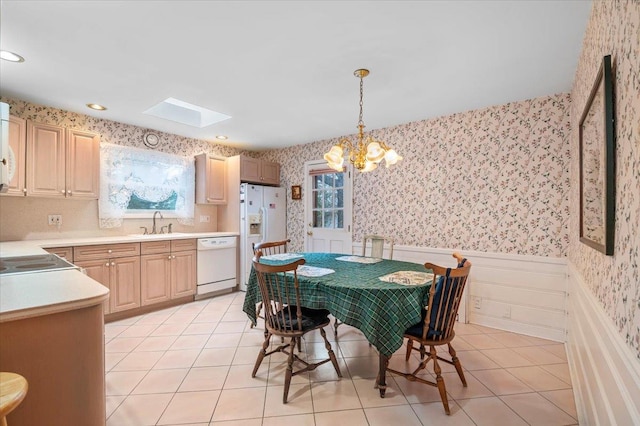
359,259
282,256
312,271
408,277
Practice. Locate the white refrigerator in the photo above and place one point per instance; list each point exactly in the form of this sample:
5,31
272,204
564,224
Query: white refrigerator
263,217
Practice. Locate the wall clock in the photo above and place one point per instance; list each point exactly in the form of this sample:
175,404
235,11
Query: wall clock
151,139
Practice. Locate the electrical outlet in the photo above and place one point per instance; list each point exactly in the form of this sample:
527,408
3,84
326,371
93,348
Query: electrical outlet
55,219
205,218
507,312
477,303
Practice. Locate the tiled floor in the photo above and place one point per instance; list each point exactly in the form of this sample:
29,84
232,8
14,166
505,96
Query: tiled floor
192,365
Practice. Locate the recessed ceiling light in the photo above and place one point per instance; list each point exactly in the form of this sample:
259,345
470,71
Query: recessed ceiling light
97,107
10,56
186,113
222,137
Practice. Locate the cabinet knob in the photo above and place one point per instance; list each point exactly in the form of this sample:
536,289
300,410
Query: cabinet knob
24,191
107,264
63,191
68,192
113,263
173,257
109,251
169,257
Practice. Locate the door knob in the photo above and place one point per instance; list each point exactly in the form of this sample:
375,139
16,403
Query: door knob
309,232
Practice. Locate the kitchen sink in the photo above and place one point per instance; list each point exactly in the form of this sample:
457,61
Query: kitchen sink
159,236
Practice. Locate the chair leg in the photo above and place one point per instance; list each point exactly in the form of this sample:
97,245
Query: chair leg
289,372
332,355
335,328
409,347
258,309
262,353
456,363
299,339
439,380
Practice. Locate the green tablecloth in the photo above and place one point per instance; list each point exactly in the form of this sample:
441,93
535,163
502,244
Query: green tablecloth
356,296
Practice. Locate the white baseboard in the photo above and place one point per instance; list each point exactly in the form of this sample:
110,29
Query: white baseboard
604,370
522,294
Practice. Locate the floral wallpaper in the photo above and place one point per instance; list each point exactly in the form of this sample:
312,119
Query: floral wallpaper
493,180
613,28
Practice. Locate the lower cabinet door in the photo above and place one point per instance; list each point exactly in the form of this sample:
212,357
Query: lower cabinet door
183,273
99,271
155,278
124,276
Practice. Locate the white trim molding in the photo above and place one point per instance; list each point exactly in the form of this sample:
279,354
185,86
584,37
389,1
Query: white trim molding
517,293
605,372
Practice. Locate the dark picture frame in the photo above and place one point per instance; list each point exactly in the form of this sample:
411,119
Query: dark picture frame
296,192
597,164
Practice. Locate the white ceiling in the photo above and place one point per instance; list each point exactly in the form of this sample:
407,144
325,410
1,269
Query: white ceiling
284,70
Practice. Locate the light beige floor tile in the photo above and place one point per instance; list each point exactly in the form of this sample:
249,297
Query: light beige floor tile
370,396
416,392
561,371
346,417
161,381
139,410
113,402
138,361
510,340
483,341
245,422
538,355
474,389
111,331
111,359
174,329
254,338
276,371
500,382
245,355
327,372
230,327
490,412
122,382
200,328
463,329
558,350
234,316
538,379
536,410
214,357
239,376
123,344
195,341
126,321
190,407
563,399
138,330
385,416
204,378
180,318
475,360
433,414
459,344
177,359
298,401
210,317
235,404
334,396
363,367
154,318
506,358
356,348
229,340
537,341
298,420
156,343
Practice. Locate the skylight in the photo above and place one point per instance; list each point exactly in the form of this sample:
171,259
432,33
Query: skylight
186,113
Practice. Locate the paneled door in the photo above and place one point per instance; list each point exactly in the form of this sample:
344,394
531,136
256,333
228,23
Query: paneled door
328,206
83,164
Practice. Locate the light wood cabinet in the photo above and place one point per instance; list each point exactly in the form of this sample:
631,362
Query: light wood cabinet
17,158
168,270
258,171
61,162
211,179
64,252
117,267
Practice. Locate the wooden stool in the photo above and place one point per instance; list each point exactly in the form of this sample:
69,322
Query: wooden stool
13,389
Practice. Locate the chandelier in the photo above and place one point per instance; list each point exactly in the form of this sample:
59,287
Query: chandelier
366,153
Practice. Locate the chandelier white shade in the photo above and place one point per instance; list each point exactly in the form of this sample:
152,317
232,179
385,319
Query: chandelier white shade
366,153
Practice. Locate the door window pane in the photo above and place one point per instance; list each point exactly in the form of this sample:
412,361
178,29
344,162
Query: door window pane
328,200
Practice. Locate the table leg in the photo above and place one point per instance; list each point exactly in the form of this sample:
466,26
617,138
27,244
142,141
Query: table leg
381,383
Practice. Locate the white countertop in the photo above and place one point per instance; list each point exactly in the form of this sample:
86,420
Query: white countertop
43,293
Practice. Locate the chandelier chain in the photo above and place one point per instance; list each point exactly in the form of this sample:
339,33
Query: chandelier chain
360,122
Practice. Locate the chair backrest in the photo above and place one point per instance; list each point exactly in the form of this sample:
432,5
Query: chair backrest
377,245
444,298
271,247
280,295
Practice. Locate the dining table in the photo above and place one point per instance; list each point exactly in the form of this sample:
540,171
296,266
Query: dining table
380,297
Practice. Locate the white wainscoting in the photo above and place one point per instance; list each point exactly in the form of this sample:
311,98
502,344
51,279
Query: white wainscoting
522,294
604,370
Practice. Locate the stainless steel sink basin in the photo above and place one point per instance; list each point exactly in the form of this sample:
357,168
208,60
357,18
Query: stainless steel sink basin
159,236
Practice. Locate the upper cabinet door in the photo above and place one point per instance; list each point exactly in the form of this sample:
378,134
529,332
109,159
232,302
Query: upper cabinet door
270,173
250,170
83,164
17,156
216,180
45,160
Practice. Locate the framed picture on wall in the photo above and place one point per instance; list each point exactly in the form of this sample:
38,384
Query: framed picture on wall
296,192
597,164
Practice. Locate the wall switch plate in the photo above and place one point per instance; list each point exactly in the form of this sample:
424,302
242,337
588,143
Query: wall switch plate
507,312
477,303
55,219
205,218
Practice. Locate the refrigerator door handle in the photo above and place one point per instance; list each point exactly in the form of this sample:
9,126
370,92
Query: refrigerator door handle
265,223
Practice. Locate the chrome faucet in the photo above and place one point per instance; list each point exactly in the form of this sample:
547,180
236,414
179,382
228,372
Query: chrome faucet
153,229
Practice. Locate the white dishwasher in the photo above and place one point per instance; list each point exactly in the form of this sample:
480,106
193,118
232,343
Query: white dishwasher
216,265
